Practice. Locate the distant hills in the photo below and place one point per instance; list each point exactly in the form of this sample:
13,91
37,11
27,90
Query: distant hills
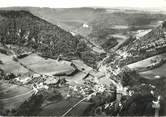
100,21
97,18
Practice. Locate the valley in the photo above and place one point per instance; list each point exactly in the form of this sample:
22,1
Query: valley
109,63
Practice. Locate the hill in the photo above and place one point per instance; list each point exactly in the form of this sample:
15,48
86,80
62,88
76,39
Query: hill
23,29
150,44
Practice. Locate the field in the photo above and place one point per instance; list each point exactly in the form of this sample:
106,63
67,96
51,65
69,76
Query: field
35,63
160,71
47,66
11,96
10,66
150,74
144,63
141,64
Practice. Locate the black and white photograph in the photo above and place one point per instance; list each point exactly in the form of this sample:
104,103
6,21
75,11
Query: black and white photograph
83,58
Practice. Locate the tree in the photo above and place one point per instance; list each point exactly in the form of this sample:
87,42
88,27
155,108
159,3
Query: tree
9,76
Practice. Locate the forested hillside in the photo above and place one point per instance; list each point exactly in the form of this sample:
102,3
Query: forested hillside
26,30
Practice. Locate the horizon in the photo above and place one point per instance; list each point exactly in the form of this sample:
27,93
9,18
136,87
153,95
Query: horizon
128,4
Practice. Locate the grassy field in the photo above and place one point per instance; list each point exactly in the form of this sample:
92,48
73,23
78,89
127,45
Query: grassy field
10,66
150,74
144,63
47,66
11,96
36,63
160,71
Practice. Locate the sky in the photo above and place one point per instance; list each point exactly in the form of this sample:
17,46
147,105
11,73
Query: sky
147,4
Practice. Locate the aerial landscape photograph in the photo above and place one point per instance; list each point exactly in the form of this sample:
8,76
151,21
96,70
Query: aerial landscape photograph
83,58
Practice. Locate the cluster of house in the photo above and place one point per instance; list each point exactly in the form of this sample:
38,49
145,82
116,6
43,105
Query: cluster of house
123,54
146,41
150,40
161,43
43,81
